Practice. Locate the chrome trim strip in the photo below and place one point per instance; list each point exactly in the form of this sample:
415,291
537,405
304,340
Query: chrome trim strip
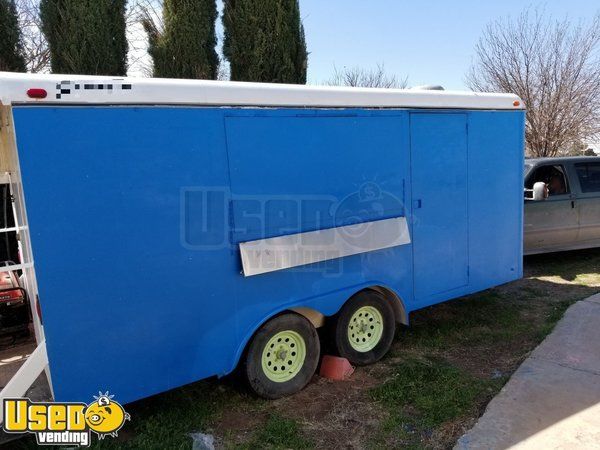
284,252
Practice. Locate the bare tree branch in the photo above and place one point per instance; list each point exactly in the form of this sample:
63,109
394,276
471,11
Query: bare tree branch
554,66
37,54
359,77
145,22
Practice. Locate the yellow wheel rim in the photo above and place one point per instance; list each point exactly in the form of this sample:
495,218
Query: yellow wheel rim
283,356
365,329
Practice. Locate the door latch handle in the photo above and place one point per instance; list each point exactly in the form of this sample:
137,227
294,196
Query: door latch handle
417,204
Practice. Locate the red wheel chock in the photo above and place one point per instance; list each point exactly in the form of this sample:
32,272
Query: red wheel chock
335,368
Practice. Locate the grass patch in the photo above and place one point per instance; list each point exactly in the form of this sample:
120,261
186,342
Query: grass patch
435,390
482,318
398,431
279,433
556,313
424,394
171,417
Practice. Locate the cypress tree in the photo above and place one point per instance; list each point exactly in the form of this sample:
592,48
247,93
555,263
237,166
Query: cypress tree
186,46
11,47
264,41
86,36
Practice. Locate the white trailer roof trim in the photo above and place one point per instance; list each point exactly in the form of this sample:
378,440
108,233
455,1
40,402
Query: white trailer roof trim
82,89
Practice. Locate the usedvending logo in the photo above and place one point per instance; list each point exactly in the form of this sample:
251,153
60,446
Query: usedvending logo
56,423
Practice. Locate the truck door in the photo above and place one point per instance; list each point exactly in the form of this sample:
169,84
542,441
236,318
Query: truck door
552,224
588,202
439,210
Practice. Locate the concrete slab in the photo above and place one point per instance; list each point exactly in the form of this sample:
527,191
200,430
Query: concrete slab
553,400
575,342
539,395
593,299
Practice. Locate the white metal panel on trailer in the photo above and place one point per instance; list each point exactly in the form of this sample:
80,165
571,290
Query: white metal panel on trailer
79,89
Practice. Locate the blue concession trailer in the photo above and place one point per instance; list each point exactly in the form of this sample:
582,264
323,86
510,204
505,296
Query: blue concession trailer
174,230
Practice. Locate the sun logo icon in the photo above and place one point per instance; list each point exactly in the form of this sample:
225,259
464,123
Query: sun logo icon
105,416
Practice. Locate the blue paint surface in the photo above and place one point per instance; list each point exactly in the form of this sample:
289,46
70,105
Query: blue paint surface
136,214
440,204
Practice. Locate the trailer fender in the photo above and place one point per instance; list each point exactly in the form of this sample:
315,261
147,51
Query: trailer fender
400,312
318,319
314,316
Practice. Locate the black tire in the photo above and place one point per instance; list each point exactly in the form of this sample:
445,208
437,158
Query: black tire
341,323
260,381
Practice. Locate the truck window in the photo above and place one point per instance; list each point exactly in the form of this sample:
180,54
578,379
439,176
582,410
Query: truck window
589,176
554,177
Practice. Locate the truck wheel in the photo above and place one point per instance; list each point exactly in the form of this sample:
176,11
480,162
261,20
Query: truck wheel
282,356
364,328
